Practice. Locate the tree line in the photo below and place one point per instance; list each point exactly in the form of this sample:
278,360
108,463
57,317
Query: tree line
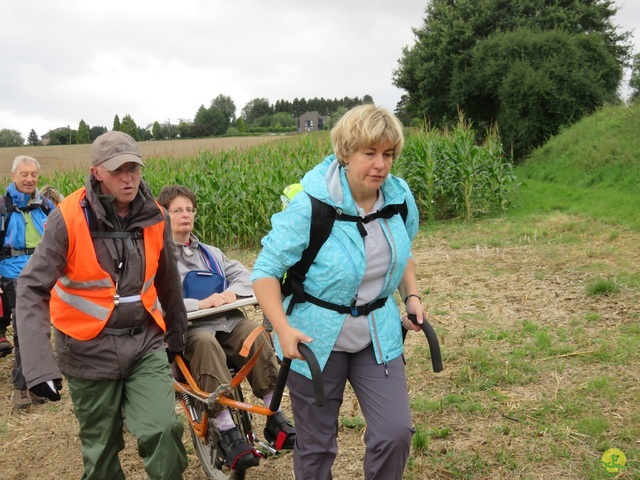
219,118
527,67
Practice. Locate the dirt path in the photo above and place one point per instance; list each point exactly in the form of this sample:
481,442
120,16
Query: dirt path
472,289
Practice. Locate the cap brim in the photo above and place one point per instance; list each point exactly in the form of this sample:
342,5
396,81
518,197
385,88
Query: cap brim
117,161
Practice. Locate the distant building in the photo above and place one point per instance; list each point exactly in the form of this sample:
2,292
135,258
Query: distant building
44,139
311,122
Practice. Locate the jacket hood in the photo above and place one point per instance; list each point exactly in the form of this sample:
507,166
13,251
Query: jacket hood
327,182
21,200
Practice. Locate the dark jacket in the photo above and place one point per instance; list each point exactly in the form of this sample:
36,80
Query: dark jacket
105,356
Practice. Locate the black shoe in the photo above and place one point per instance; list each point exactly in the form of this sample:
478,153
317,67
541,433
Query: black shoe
238,453
280,432
5,347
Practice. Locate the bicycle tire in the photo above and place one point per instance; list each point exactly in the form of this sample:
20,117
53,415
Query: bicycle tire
211,458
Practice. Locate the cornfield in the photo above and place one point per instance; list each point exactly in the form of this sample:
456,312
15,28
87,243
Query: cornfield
453,176
239,190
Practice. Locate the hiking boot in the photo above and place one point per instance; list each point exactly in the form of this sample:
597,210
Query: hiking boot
5,347
280,432
36,400
21,398
238,453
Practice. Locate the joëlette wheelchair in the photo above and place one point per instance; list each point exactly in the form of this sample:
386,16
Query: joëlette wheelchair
204,433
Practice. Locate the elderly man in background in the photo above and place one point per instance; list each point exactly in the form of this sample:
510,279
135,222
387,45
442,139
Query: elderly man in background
103,274
23,214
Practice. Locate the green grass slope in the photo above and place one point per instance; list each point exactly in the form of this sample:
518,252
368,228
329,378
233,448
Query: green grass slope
590,169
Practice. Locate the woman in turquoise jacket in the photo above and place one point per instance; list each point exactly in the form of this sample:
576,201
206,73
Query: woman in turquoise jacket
360,264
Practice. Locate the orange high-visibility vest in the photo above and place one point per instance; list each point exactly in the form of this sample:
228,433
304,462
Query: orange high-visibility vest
83,298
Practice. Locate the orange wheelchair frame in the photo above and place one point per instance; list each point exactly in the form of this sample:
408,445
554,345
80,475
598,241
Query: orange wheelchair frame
194,401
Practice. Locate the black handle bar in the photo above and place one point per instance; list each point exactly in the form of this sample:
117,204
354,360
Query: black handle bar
316,378
432,339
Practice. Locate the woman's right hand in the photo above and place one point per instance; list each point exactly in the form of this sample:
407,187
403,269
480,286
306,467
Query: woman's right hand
267,291
289,338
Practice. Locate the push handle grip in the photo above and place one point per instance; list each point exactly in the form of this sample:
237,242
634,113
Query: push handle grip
432,339
316,378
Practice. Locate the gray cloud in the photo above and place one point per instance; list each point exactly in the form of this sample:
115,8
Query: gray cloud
160,60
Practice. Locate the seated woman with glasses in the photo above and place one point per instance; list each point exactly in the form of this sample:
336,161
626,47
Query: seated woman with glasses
213,339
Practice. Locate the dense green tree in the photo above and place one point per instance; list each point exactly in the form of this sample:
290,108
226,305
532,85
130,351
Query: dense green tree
258,107
299,107
33,139
169,131
184,129
335,116
200,127
533,83
265,121
219,120
401,111
282,106
10,138
84,134
144,133
323,106
226,106
634,81
116,123
241,126
445,55
209,121
60,136
129,127
95,132
282,119
156,131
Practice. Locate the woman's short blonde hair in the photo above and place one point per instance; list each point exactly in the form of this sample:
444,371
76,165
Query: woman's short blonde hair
364,126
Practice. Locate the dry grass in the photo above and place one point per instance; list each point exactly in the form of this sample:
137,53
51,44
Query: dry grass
61,157
475,291
481,293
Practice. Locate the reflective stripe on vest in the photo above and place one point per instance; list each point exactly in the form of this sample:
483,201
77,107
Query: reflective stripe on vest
83,298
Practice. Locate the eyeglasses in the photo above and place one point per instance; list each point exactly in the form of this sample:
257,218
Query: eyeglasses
180,211
130,169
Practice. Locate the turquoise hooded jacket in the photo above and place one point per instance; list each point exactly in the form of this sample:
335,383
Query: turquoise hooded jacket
339,267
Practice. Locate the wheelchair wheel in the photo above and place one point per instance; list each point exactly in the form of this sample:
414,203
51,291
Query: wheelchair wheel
210,456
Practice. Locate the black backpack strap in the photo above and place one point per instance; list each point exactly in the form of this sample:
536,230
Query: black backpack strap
92,221
387,212
46,206
323,217
137,235
403,211
5,212
6,206
353,309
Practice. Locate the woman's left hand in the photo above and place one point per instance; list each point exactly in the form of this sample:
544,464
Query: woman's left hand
218,299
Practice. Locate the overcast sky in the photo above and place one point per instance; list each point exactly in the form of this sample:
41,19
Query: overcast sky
67,60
